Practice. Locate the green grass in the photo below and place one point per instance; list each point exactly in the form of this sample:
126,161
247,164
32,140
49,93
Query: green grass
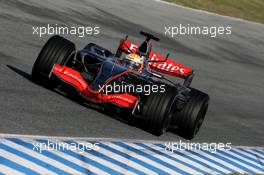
252,10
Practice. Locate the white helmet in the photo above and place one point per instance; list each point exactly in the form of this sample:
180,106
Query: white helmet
133,61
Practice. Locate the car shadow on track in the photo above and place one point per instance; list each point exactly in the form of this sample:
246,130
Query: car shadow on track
20,72
136,122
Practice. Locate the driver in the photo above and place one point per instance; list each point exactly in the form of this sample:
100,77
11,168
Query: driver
133,61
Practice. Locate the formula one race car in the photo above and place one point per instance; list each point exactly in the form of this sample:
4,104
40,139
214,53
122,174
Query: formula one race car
132,80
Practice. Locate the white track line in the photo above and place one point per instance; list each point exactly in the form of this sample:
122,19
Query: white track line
210,13
21,161
165,159
9,171
107,141
243,158
41,157
206,162
125,160
144,159
209,156
255,153
233,160
192,162
104,162
79,162
103,139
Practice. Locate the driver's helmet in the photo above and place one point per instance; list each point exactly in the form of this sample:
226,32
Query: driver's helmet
133,61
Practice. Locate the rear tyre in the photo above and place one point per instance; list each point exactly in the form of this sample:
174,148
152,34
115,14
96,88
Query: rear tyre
188,121
56,50
157,111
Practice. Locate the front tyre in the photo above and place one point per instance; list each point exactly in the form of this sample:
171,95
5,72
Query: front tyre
188,121
157,111
56,50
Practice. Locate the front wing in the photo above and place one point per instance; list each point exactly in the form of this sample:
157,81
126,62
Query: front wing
74,78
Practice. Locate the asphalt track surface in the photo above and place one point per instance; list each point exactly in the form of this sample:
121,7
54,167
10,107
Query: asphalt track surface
228,68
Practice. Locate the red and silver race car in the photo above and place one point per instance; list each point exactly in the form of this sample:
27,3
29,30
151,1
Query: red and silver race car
132,80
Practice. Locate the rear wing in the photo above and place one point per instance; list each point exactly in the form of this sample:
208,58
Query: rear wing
169,66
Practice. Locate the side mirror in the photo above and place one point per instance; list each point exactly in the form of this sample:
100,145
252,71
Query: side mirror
189,79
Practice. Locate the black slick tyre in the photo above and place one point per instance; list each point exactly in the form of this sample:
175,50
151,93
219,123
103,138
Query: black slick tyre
189,120
56,50
157,111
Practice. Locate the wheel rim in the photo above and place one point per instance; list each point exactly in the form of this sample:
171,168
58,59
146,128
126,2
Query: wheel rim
200,118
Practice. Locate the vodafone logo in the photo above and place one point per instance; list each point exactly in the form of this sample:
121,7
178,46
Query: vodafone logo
166,66
76,78
121,98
